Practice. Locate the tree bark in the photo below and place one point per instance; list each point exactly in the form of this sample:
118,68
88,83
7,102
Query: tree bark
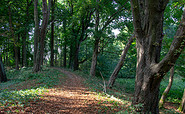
19,49
52,32
40,51
76,63
56,54
46,13
148,24
36,37
3,77
14,39
96,43
24,63
24,47
65,44
166,91
98,33
182,105
120,63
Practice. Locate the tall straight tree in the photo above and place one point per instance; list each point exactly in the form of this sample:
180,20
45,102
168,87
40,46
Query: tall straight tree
3,77
96,43
40,44
81,18
25,35
148,24
52,31
36,36
14,38
99,31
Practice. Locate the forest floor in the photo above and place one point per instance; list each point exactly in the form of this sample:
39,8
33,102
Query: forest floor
73,96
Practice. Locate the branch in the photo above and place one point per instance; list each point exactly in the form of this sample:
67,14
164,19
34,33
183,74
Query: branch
82,61
174,52
112,17
136,18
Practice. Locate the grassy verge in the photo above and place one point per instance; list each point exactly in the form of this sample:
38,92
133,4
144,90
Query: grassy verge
124,90
24,86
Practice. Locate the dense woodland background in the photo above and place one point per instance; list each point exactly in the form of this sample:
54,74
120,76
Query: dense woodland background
92,36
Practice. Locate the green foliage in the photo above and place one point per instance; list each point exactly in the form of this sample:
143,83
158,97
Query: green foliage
176,92
33,85
19,98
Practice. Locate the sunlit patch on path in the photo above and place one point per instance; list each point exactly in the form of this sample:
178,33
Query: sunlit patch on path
71,96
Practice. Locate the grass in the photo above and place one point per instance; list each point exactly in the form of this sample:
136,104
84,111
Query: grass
176,92
124,89
24,86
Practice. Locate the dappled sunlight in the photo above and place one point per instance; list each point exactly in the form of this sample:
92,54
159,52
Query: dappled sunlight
18,98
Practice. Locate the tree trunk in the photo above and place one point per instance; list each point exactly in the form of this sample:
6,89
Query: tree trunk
24,48
96,43
182,105
120,63
46,13
76,64
148,24
71,53
19,49
65,44
3,77
56,54
7,53
166,91
64,55
36,37
52,32
24,63
14,39
40,51
94,58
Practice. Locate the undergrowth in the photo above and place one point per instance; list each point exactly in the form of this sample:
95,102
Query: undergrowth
124,89
24,86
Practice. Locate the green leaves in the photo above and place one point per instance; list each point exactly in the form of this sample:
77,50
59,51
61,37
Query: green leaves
19,98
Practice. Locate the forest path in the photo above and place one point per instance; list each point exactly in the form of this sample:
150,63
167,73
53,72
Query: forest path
72,97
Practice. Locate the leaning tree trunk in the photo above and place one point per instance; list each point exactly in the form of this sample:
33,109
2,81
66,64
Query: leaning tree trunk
166,91
182,105
148,24
120,63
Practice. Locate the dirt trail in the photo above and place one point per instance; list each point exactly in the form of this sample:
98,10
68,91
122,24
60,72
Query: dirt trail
71,97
